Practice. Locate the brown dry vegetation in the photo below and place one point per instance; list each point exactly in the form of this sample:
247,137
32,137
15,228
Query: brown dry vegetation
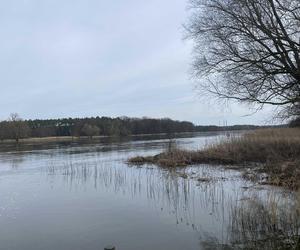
275,152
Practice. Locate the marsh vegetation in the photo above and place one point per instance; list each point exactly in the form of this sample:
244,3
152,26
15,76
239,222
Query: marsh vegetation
275,152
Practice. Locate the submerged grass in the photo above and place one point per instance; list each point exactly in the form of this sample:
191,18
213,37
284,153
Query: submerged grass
270,224
275,152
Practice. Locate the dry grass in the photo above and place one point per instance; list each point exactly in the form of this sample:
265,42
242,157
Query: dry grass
276,151
267,224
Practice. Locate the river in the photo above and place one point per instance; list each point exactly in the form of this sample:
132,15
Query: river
82,195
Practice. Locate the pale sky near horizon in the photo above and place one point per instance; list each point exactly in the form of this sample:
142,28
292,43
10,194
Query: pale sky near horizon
82,58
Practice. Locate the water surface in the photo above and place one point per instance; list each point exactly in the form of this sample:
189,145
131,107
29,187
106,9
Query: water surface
83,195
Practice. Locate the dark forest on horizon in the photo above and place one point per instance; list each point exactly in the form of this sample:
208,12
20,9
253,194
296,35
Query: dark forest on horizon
17,128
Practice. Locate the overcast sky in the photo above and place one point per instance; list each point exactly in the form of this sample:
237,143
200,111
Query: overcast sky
79,58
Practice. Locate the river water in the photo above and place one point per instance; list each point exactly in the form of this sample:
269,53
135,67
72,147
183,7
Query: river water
83,195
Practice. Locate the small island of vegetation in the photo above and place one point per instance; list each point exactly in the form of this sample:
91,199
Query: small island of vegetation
275,152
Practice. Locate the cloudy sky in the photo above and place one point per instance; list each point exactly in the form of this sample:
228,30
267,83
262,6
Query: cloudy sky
78,58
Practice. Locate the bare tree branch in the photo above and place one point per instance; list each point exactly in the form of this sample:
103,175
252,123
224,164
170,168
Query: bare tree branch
248,50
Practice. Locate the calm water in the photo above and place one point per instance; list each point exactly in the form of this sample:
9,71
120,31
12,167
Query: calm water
82,195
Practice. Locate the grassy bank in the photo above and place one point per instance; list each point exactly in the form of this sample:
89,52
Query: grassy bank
275,152
50,139
78,138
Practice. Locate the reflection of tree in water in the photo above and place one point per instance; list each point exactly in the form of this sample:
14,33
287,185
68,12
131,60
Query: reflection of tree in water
252,223
14,160
15,163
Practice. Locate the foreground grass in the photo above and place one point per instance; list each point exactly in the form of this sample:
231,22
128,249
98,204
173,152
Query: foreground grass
275,152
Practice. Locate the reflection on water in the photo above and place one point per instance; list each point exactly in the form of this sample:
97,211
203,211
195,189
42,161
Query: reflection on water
84,196
179,196
269,223
272,223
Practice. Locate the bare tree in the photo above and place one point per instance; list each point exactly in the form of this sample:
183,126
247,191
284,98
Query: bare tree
4,130
18,128
90,130
248,50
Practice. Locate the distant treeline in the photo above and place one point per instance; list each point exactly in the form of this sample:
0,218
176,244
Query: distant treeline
16,128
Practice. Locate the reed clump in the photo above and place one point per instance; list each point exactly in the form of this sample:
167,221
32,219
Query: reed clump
269,224
275,152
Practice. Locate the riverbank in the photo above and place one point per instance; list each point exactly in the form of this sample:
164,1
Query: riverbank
78,138
70,138
50,139
274,152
